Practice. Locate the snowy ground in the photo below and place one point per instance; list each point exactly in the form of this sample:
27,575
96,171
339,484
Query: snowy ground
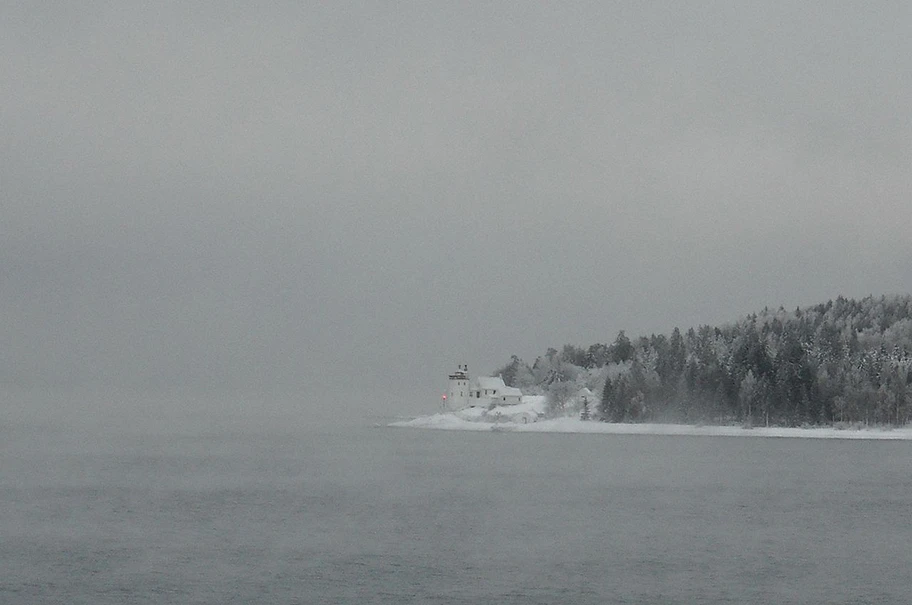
452,422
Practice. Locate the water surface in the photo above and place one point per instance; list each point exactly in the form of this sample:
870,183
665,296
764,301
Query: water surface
380,515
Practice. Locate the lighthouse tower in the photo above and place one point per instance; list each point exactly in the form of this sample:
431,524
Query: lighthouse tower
457,396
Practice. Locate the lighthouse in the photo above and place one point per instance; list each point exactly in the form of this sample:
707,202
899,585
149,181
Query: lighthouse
457,396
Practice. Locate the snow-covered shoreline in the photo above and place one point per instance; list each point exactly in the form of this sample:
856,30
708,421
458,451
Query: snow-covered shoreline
452,422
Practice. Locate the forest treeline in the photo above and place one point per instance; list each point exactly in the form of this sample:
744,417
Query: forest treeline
843,361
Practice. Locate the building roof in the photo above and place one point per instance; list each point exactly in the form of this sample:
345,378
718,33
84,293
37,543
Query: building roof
490,382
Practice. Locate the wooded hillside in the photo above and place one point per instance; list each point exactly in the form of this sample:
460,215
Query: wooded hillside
841,361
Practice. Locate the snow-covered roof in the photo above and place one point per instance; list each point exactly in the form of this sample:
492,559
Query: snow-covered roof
511,392
490,382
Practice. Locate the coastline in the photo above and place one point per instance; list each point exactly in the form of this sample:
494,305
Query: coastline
451,422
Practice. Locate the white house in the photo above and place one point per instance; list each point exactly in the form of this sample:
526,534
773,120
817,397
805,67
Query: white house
493,389
481,391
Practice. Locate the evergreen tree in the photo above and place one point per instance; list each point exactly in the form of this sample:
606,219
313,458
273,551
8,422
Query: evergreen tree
622,349
621,399
584,413
607,398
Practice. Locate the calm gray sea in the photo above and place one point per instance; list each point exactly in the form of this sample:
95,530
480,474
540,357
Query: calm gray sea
382,515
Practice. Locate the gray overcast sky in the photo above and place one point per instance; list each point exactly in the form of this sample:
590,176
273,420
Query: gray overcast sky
318,196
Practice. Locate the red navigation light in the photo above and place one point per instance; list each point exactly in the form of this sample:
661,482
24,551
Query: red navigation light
443,397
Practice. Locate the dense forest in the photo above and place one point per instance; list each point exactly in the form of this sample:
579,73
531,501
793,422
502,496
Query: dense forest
844,361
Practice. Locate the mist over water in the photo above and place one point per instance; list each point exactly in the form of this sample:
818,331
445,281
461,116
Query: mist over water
107,411
282,512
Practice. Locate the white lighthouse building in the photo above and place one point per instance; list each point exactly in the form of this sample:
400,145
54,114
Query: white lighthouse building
482,391
457,395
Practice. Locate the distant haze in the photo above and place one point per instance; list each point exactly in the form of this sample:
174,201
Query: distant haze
321,201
